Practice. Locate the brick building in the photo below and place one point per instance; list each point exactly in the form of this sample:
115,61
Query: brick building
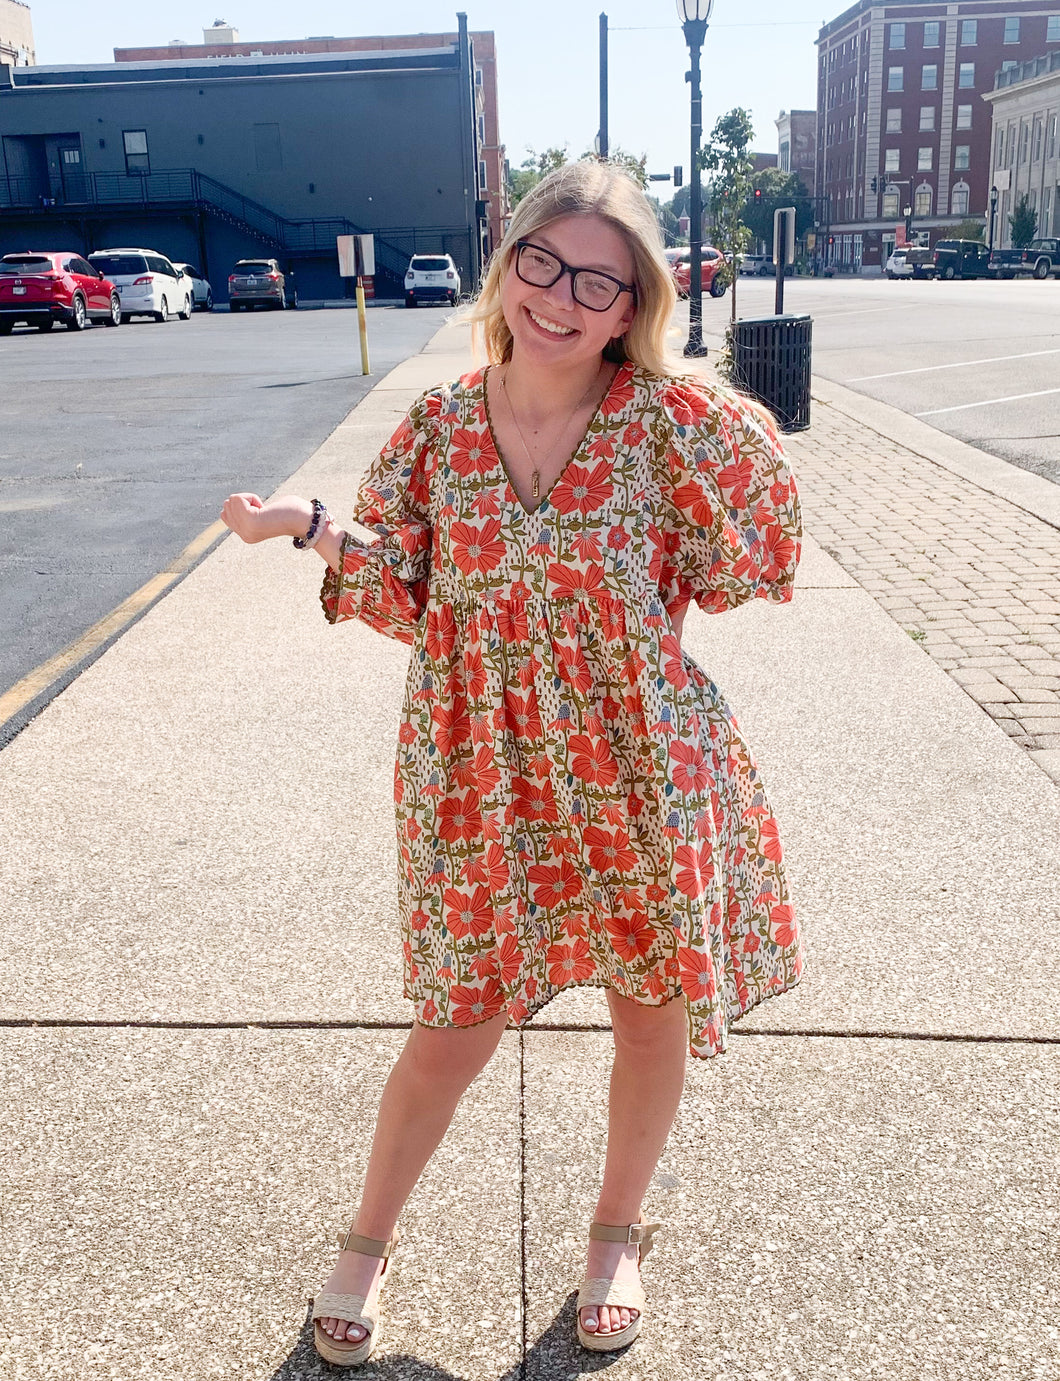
900,103
797,144
223,41
16,34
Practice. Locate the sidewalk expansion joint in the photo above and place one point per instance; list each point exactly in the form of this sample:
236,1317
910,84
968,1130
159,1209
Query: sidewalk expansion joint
524,1302
565,1028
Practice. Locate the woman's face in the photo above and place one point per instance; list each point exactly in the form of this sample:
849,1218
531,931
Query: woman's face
548,326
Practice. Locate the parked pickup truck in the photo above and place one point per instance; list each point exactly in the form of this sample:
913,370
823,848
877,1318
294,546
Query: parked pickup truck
1041,258
1005,263
962,259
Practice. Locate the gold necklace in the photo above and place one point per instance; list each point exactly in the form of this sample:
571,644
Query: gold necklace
535,474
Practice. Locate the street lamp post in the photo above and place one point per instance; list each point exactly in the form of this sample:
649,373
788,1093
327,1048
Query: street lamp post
993,215
908,225
694,16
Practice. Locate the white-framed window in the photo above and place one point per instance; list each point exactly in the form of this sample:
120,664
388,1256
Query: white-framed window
1009,65
890,208
897,36
1052,29
894,119
959,199
1050,142
1025,143
1036,140
999,149
924,198
891,162
1012,30
966,75
931,34
929,77
962,157
1047,209
136,156
923,159
964,117
894,79
969,33
1011,146
927,117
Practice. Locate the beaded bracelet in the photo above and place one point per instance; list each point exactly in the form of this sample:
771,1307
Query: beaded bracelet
321,518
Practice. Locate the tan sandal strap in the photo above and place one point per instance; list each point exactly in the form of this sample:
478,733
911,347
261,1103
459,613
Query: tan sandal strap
348,1308
367,1246
599,1293
633,1234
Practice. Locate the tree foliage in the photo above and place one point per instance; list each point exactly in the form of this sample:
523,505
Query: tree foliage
778,189
726,156
1023,223
530,172
969,229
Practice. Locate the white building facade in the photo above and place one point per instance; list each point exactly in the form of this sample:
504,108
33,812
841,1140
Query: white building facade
1025,145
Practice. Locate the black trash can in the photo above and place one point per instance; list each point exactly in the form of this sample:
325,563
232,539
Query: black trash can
771,362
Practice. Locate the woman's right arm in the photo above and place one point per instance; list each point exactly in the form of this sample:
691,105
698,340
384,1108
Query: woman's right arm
286,516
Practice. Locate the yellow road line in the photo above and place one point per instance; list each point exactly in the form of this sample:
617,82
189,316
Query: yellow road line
31,686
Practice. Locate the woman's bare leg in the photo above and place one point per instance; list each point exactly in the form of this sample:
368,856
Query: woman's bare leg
420,1097
647,1078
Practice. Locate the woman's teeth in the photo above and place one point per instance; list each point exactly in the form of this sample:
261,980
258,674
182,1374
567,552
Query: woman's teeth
550,325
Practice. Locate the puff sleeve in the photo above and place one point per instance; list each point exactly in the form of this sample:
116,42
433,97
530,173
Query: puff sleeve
732,527
385,583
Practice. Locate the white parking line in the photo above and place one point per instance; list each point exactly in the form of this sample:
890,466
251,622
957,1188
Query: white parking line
988,402
961,364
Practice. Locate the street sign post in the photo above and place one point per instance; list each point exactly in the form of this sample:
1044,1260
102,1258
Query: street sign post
783,248
357,260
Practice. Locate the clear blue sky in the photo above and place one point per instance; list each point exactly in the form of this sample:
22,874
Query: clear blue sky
759,55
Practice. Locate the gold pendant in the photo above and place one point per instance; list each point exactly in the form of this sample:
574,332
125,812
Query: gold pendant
536,484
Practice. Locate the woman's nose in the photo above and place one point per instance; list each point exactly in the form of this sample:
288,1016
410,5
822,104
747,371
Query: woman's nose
562,291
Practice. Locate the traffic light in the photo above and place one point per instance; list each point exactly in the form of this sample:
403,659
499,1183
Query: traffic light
758,196
679,175
874,183
831,239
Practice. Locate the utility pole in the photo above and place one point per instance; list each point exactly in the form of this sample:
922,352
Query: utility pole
601,138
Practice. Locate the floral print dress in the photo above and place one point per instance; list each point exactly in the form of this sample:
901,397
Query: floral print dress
575,803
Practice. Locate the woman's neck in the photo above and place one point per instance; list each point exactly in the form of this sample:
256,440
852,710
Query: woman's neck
538,393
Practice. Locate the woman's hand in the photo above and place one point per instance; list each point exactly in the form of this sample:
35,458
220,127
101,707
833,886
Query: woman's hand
255,521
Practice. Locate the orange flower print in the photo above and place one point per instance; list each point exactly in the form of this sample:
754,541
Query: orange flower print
470,1006
688,768
769,841
736,478
570,582
592,760
570,963
631,936
450,728
673,665
782,929
511,621
777,551
458,819
533,800
474,674
583,490
609,850
612,614
697,974
692,501
586,548
470,453
508,958
440,632
686,405
572,667
554,884
468,913
477,549
521,715
694,869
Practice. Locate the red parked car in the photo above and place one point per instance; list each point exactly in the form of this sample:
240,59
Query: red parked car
41,287
712,261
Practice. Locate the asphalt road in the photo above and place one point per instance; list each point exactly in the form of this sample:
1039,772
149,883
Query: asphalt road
118,446
978,359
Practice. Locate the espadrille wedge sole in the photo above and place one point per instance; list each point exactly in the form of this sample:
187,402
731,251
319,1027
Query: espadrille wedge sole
598,1292
352,1308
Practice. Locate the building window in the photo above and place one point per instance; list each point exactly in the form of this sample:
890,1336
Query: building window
1012,31
1050,145
1011,146
966,76
136,159
890,206
931,34
897,36
962,157
1009,65
999,149
929,77
1036,140
922,205
891,161
927,117
1052,29
969,32
894,120
1025,143
923,159
894,79
1047,207
964,117
959,199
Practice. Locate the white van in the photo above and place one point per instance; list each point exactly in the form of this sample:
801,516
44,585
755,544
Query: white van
147,282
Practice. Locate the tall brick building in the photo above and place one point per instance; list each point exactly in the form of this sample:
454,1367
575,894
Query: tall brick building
16,34
900,92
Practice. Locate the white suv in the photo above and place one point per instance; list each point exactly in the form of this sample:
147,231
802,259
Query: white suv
147,282
431,278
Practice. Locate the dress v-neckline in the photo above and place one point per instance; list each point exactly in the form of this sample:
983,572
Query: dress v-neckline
623,368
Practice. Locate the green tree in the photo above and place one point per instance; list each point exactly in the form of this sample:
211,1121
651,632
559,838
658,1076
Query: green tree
636,167
778,189
533,169
969,229
726,155
1023,222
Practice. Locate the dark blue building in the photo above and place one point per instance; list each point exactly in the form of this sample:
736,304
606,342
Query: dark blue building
213,160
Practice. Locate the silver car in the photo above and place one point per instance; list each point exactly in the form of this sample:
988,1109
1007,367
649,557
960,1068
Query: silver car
260,280
202,293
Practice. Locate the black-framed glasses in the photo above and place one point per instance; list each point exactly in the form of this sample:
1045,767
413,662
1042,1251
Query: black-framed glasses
541,269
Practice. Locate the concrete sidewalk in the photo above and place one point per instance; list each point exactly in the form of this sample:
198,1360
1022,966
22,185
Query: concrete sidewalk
200,987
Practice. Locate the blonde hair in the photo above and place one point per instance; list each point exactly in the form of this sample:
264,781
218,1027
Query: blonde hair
591,188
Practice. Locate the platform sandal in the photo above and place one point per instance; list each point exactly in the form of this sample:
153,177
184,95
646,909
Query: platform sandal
598,1292
351,1308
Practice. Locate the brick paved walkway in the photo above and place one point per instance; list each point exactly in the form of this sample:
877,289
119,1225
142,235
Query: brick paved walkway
971,577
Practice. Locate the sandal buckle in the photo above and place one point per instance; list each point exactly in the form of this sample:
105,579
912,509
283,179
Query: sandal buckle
636,1234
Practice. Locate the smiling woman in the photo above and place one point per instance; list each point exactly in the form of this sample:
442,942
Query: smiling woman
575,803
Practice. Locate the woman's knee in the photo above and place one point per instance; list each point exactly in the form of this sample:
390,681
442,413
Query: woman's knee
641,1029
452,1055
